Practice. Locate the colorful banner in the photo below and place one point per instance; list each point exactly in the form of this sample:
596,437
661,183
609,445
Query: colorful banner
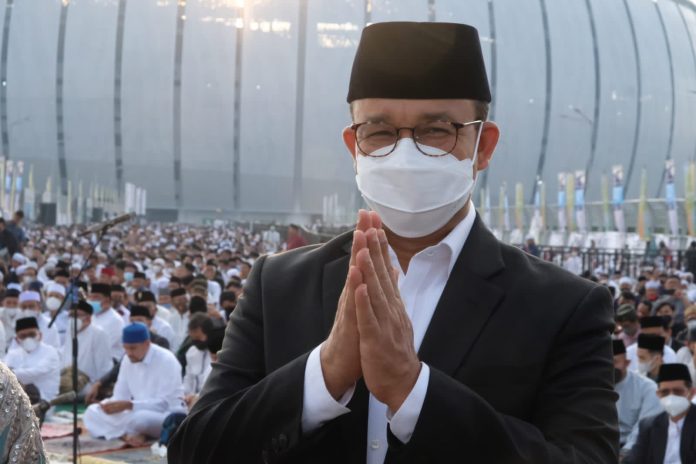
605,203
689,196
580,219
519,206
617,197
642,204
561,204
671,197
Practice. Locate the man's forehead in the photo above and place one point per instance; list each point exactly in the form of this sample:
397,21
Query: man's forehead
408,110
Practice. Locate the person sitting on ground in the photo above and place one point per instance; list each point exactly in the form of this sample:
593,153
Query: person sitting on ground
148,389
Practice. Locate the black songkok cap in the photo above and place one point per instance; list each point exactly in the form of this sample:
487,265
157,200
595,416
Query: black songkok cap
619,346
138,310
26,323
11,293
653,321
177,292
419,61
676,371
651,342
82,305
144,295
198,305
102,289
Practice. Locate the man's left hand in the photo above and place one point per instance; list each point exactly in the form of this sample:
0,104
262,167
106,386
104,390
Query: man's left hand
389,360
114,407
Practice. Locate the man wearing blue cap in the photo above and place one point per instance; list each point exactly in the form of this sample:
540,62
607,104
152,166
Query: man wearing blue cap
147,390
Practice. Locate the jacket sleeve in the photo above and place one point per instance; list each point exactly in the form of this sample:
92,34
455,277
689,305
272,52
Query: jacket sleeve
243,414
574,419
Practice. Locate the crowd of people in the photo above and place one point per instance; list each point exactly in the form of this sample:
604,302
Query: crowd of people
150,304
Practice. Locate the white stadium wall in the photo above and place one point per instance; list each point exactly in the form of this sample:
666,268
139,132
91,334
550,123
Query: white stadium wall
237,105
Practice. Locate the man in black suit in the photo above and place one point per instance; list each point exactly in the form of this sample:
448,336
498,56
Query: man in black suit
418,337
669,437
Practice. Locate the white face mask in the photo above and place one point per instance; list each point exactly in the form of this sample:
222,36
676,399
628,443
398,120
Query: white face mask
53,303
80,325
415,194
644,368
29,344
691,324
11,313
29,313
675,405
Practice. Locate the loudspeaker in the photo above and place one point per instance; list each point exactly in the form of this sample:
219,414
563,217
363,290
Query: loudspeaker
47,214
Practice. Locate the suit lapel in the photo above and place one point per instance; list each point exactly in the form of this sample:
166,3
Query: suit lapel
333,280
467,302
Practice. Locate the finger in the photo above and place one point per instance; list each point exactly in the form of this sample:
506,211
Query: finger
368,325
393,272
377,298
375,220
364,220
359,242
354,279
381,268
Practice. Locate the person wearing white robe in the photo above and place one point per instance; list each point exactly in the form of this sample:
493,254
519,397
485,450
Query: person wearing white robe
180,317
34,362
159,325
9,313
147,390
93,350
30,304
106,318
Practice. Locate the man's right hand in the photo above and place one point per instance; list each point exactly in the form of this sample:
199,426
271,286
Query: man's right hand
340,353
91,396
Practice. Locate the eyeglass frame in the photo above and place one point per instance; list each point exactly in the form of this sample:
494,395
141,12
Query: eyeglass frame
457,126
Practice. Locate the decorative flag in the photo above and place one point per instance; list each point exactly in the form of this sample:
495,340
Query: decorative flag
642,205
570,200
562,223
605,203
689,195
519,206
617,197
671,197
580,201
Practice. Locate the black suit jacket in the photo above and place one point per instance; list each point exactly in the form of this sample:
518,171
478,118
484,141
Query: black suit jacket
520,360
651,444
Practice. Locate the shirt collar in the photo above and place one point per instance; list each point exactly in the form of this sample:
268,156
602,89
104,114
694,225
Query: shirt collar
148,357
454,241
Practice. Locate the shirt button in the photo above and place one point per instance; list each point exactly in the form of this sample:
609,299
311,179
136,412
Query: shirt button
374,444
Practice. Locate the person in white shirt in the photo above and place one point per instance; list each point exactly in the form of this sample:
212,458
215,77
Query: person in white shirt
94,351
30,304
197,356
159,326
148,389
119,300
34,362
9,313
55,295
179,317
106,318
637,398
668,438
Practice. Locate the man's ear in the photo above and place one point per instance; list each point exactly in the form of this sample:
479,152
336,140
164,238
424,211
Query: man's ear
490,134
349,140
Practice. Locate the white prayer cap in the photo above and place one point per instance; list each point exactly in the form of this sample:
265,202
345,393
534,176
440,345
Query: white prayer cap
29,295
53,287
625,281
15,286
159,261
233,272
75,266
652,285
32,265
19,257
20,270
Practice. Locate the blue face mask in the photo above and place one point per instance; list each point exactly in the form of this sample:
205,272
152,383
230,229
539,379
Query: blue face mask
167,305
96,305
128,276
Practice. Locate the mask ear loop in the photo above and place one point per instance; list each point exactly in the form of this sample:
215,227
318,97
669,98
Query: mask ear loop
476,151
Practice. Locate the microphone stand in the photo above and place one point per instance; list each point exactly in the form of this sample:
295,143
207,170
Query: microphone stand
73,335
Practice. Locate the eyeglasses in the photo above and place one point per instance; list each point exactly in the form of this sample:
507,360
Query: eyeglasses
662,392
435,138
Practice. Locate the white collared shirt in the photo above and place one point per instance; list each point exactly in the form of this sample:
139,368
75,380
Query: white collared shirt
674,431
41,368
93,352
153,384
420,288
112,324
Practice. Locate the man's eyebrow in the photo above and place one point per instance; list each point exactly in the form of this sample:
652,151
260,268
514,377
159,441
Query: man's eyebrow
379,117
